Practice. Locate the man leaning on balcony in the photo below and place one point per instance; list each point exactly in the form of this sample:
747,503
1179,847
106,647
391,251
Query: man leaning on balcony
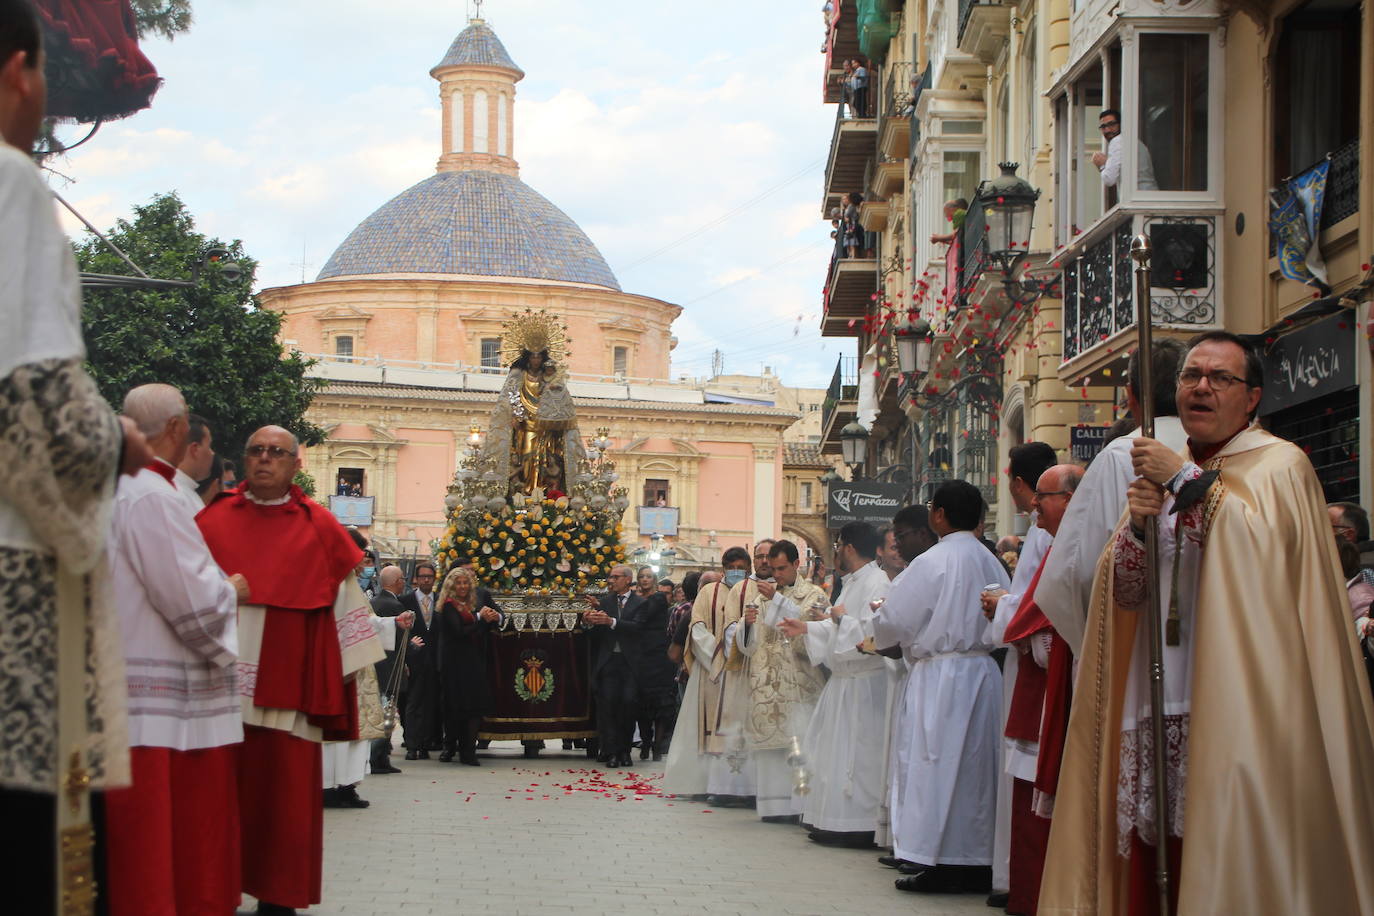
1109,163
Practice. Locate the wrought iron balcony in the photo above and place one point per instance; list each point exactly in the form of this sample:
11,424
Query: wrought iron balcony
852,144
841,401
895,108
1098,281
1342,185
850,285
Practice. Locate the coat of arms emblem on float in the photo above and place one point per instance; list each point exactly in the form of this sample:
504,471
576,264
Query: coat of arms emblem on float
533,680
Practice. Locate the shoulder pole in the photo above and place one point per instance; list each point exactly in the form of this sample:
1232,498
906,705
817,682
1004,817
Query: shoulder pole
1140,253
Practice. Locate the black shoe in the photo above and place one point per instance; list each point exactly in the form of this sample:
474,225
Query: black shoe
612,763
644,752
892,861
385,770
424,754
998,901
413,755
331,799
949,879
274,909
782,819
912,868
625,759
349,796
446,757
657,756
567,744
470,761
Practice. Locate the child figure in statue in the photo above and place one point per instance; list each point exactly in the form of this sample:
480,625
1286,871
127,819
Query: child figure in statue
537,410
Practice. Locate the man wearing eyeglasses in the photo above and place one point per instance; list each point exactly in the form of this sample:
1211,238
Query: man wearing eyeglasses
1109,163
305,633
1268,719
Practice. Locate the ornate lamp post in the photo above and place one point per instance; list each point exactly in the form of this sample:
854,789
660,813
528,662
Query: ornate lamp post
1008,211
914,346
854,443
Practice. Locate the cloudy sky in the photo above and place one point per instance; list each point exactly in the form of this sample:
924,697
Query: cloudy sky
688,140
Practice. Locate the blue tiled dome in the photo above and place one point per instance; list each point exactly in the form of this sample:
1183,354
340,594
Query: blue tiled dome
477,45
471,222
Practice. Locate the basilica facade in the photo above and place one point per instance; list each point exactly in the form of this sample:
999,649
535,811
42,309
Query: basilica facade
406,321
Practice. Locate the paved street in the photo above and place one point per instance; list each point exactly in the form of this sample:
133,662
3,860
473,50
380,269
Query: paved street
554,836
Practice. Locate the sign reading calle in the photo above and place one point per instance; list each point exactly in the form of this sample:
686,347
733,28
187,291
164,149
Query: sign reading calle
1309,363
863,501
1086,441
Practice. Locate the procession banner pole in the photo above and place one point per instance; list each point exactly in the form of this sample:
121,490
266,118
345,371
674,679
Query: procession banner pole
1140,253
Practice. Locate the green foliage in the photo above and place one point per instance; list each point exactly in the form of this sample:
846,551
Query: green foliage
162,18
211,340
306,482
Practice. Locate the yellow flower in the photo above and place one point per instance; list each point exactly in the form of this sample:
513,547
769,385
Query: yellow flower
453,554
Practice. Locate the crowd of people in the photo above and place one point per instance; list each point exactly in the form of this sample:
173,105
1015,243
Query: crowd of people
929,705
191,673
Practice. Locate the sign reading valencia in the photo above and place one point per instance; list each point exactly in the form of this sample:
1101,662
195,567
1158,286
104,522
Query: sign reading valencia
863,501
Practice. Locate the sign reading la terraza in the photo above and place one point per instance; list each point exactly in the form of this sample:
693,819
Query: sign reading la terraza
863,501
1309,363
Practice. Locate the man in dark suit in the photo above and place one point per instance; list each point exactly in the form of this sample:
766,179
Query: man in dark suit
387,603
614,629
422,723
655,675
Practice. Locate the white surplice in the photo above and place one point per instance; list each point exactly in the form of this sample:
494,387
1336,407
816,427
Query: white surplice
345,763
685,772
945,749
178,619
1087,526
186,491
1017,758
846,745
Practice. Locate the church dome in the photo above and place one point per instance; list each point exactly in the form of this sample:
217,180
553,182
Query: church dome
472,222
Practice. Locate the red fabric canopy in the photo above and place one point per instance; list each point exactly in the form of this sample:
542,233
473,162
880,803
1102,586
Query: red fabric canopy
95,69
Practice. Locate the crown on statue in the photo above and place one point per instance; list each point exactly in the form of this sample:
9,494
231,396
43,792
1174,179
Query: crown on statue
534,331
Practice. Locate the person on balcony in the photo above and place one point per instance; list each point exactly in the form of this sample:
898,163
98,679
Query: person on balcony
1109,163
853,231
860,80
955,212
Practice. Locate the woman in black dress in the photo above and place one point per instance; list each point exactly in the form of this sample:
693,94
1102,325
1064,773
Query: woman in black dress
466,615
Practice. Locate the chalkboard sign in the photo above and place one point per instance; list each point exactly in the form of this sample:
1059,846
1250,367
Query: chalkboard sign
1309,363
1086,441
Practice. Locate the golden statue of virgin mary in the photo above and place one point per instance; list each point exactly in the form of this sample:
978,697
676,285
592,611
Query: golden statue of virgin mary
534,441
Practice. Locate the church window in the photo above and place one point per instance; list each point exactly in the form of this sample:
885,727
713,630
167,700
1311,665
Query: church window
501,102
343,346
491,354
479,122
620,360
804,499
456,121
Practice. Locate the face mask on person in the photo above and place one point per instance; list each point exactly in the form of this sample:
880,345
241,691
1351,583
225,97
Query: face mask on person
734,577
369,573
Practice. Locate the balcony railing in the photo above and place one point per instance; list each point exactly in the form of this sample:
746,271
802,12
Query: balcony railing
965,11
921,85
897,91
1098,282
1342,185
844,387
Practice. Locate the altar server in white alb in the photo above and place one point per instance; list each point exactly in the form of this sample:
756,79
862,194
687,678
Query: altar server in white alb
783,685
847,740
173,835
1100,499
1025,463
944,786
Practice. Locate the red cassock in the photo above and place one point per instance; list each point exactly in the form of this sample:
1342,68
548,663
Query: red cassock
294,556
1030,833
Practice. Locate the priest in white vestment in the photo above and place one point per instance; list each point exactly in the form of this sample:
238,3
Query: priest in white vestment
846,744
1067,583
1026,462
684,772
945,745
784,686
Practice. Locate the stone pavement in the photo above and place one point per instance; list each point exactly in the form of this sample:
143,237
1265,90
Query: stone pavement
555,836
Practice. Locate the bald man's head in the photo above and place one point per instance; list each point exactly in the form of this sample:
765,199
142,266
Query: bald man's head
392,579
271,459
160,413
1053,492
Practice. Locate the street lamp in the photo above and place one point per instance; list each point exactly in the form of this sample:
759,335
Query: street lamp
854,443
475,436
914,346
1008,207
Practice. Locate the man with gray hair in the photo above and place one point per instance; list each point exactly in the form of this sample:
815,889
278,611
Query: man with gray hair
178,620
613,631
